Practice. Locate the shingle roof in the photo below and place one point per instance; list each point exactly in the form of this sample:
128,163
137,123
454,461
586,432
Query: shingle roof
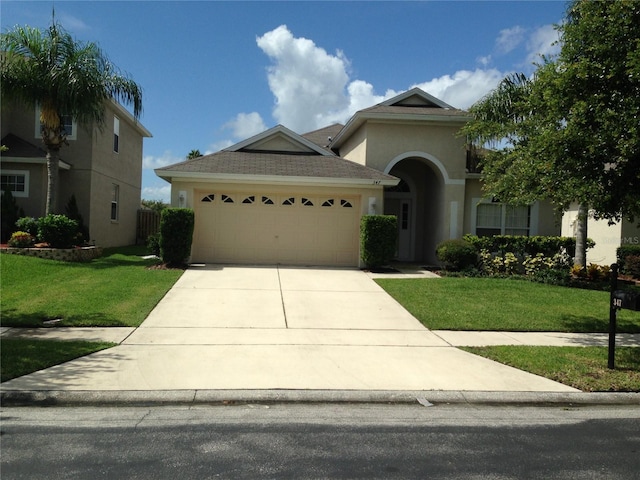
19,148
284,164
416,110
322,137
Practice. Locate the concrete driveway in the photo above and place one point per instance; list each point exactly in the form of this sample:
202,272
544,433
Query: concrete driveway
238,327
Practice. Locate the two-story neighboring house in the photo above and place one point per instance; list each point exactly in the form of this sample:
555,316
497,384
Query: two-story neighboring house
101,167
280,197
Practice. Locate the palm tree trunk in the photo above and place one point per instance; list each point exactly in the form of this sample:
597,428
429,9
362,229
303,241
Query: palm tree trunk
53,155
581,236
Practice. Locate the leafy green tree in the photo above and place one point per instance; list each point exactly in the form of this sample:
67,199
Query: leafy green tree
155,205
194,154
571,132
64,77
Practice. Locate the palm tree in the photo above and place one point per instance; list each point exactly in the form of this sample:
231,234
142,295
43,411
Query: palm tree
193,154
64,77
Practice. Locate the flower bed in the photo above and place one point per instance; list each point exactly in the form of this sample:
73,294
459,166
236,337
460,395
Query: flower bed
78,254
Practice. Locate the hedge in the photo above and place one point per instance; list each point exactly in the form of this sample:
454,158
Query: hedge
176,234
628,257
378,239
522,245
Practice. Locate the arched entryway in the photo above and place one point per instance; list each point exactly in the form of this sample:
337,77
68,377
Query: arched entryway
417,202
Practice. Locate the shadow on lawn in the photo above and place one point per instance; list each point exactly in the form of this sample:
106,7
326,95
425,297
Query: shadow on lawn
13,318
582,324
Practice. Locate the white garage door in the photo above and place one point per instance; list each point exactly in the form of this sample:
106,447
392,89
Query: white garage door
264,228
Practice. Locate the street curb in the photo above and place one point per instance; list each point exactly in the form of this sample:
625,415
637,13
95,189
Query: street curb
229,397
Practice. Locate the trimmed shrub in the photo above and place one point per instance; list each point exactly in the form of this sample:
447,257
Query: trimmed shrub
521,245
632,266
59,231
20,240
378,238
176,234
457,254
153,244
623,253
29,225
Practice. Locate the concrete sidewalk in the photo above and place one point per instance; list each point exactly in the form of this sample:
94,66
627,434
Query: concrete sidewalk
232,328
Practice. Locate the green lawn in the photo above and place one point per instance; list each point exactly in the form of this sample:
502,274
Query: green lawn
453,303
21,356
584,368
117,289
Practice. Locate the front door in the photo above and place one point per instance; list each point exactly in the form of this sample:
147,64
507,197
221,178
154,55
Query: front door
402,209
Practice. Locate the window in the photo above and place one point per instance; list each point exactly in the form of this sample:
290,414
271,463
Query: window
16,181
115,194
249,200
267,201
328,203
116,134
307,202
495,218
289,201
209,198
68,123
226,199
345,204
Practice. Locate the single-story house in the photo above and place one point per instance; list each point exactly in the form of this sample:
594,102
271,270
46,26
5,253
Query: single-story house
281,197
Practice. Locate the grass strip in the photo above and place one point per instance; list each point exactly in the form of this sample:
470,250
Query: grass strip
19,356
584,368
452,303
117,289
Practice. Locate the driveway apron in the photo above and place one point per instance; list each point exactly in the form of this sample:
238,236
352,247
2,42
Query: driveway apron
240,327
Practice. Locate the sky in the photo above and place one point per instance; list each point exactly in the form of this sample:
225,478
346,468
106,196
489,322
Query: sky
214,73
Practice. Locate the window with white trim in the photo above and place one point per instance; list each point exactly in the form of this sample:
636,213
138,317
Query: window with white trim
495,218
115,197
16,181
68,122
116,134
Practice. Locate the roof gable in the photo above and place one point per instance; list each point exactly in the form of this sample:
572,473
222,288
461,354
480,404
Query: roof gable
278,139
416,98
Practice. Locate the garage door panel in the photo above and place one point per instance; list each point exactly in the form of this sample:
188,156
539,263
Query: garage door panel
293,229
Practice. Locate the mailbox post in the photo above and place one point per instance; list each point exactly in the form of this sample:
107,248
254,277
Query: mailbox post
613,308
619,299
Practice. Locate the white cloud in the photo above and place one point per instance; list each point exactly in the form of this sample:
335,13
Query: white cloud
150,162
543,41
307,81
246,125
509,39
463,88
162,193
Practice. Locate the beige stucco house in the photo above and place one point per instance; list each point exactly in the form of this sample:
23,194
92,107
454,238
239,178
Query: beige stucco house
101,167
607,237
280,197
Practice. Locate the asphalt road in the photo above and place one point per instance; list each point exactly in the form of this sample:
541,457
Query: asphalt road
243,441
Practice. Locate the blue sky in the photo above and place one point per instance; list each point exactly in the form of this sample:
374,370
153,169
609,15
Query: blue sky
214,73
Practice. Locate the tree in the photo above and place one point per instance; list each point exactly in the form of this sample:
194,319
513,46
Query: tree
571,132
64,77
194,154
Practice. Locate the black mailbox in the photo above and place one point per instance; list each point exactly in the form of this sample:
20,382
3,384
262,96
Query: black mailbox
626,300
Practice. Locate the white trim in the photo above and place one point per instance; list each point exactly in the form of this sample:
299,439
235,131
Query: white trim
116,134
419,93
425,156
534,216
25,173
271,179
278,129
453,220
62,165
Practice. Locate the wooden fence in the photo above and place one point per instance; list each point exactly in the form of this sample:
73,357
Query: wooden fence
148,224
